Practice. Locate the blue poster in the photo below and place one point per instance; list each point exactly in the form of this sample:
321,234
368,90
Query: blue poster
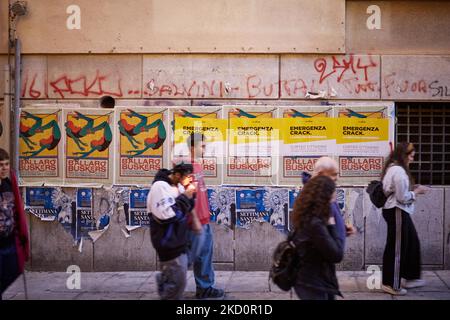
38,201
85,219
340,198
250,207
222,205
66,210
276,203
293,195
137,209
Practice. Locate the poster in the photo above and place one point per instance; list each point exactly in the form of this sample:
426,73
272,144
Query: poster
222,205
64,201
205,120
39,201
276,203
250,207
253,145
88,150
293,195
137,214
142,144
364,138
308,134
85,221
40,147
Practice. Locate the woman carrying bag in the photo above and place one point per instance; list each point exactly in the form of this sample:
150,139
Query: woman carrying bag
318,245
401,258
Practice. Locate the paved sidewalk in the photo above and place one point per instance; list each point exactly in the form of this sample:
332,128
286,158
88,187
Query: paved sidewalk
238,285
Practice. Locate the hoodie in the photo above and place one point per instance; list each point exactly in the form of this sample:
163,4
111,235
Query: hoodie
168,210
335,211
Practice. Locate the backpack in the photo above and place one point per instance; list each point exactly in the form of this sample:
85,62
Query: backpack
376,193
283,271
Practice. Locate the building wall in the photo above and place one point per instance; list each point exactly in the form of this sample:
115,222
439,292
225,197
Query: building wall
223,52
242,249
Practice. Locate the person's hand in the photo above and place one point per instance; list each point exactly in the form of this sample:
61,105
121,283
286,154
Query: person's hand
419,189
190,190
331,221
349,230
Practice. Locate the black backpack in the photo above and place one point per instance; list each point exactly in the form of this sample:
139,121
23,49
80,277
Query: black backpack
283,271
376,193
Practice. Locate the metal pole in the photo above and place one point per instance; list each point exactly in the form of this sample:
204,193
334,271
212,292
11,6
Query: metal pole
6,112
25,288
17,91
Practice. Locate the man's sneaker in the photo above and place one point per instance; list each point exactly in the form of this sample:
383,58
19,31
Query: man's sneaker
209,293
390,290
416,283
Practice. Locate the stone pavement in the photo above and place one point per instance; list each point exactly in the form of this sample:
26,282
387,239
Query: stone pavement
239,285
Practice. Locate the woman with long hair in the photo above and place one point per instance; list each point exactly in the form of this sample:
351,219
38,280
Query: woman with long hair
318,244
401,258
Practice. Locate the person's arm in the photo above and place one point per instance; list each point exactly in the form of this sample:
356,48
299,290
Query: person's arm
327,241
401,187
196,224
163,205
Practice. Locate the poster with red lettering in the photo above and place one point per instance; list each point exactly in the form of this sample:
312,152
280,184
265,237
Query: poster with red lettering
41,147
364,138
253,145
203,120
89,153
308,134
141,144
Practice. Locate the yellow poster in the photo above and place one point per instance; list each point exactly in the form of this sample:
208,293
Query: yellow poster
214,130
308,134
39,145
296,130
141,138
253,145
254,131
88,140
364,136
357,130
207,122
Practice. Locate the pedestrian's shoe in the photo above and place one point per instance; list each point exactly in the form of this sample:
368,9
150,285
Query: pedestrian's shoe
209,293
390,290
415,283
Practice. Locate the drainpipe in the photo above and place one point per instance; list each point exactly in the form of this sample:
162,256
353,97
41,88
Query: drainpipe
17,91
6,135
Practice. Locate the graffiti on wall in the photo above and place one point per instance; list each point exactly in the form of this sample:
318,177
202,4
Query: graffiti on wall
325,76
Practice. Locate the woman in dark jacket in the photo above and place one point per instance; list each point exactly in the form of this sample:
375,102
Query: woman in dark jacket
319,246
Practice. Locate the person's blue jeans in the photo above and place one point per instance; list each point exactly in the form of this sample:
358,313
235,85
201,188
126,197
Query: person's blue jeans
9,268
200,255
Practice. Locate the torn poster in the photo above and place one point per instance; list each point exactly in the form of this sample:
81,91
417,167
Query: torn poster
66,210
103,211
38,201
137,210
85,221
